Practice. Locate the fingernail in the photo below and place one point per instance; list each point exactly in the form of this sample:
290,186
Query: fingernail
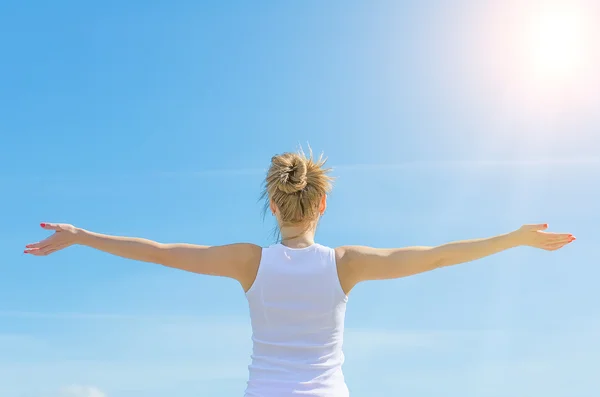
545,225
42,224
24,252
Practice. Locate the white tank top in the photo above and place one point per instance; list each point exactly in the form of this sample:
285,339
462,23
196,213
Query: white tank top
297,310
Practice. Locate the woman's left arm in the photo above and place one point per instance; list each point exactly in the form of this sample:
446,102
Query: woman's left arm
359,263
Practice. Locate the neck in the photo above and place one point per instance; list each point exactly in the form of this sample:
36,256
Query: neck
297,236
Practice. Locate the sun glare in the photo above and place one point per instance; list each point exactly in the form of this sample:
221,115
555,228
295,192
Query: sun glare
557,43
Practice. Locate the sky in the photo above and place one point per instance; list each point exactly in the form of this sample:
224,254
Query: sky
442,121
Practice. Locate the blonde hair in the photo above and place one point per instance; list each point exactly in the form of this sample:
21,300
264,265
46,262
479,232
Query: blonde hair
296,183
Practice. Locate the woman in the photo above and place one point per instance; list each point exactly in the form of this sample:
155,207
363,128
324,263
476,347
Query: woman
297,289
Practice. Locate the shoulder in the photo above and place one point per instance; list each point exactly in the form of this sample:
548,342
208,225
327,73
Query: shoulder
244,253
348,271
247,257
243,248
348,254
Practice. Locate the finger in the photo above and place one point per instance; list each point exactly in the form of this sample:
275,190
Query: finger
51,226
560,237
39,252
27,247
555,246
46,250
50,251
541,226
39,244
34,251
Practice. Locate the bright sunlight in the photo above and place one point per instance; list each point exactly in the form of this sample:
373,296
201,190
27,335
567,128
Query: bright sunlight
558,43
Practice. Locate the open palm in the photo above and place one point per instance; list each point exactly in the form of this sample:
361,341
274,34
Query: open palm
64,236
536,236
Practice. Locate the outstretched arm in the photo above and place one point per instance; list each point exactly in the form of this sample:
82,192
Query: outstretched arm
365,263
233,260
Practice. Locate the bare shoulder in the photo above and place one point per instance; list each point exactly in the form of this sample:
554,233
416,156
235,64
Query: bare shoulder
347,255
348,271
248,257
362,263
237,260
350,256
233,254
247,254
243,250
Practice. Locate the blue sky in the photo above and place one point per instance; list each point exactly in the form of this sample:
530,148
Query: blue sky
157,119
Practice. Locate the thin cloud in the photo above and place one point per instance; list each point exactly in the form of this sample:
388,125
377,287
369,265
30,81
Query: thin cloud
214,172
82,391
112,317
65,315
87,316
379,167
429,164
420,164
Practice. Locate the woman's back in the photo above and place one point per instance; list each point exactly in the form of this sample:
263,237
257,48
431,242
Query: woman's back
297,310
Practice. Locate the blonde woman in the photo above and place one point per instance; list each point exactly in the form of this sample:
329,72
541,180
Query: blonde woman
297,289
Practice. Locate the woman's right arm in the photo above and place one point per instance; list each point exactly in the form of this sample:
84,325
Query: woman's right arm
237,261
357,263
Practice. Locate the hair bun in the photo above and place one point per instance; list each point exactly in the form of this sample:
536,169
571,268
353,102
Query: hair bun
291,173
295,186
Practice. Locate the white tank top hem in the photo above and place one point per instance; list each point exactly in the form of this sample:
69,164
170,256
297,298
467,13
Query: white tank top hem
297,310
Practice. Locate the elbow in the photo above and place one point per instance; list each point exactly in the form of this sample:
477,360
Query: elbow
450,258
440,258
160,254
441,262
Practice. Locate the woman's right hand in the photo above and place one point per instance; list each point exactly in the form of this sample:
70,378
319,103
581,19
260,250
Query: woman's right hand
536,236
64,236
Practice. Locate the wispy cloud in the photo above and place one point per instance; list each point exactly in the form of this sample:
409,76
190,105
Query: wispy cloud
213,172
428,164
66,315
256,171
81,391
19,314
421,164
